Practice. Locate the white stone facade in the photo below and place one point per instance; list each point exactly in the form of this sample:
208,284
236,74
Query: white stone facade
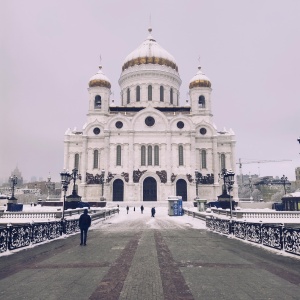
149,146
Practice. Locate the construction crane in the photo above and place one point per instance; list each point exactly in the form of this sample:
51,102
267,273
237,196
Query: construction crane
241,163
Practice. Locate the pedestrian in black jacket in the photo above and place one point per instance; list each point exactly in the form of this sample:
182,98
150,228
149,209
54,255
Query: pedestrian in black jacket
84,224
153,212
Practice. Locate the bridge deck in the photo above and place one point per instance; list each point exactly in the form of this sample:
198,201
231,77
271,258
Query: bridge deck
133,256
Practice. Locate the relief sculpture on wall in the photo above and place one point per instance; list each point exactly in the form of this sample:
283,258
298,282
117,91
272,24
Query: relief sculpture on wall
126,176
137,175
162,175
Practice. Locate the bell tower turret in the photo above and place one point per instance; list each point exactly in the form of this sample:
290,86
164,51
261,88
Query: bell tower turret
200,94
99,93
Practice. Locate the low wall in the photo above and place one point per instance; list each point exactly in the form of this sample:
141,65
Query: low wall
258,205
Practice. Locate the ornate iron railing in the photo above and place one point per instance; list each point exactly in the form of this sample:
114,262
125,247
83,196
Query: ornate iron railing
291,240
22,235
272,235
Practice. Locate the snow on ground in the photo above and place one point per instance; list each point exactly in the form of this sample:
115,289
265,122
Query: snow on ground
161,221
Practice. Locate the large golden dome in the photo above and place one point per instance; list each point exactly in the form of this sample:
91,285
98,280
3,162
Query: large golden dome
149,52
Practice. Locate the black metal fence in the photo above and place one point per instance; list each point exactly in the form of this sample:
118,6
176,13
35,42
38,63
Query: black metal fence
23,235
272,235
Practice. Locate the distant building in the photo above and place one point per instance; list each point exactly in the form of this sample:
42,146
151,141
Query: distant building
16,172
297,173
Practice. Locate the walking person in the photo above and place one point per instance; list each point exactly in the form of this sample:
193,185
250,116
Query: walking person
153,212
127,208
84,224
142,208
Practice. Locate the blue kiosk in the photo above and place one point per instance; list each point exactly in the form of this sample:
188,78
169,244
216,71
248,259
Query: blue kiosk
175,206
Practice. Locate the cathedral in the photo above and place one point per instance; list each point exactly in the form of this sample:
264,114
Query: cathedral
149,147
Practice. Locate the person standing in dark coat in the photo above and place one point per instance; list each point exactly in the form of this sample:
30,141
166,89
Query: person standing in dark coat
153,212
142,209
84,224
127,208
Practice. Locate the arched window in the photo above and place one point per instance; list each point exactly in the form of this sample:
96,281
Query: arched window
180,155
138,93
128,95
156,155
149,155
143,156
223,164
150,92
203,159
98,101
201,101
96,159
118,155
76,161
161,93
171,96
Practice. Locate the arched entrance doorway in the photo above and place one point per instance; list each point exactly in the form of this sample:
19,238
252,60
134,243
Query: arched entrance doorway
118,190
149,189
181,189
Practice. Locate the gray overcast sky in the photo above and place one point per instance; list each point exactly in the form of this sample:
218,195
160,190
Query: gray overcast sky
50,49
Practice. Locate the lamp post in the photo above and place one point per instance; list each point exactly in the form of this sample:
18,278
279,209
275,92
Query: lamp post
198,178
48,185
250,187
65,181
74,176
14,181
223,176
229,181
102,181
284,179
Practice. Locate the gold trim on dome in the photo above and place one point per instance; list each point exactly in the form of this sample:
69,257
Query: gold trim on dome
149,60
99,82
200,83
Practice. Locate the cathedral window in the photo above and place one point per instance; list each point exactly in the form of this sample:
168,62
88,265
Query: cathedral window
171,96
203,159
149,92
156,155
98,101
143,156
161,93
149,155
180,155
223,164
138,93
96,159
201,101
76,161
128,95
118,161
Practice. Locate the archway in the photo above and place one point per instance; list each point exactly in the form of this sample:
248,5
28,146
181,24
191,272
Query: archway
181,189
149,189
118,190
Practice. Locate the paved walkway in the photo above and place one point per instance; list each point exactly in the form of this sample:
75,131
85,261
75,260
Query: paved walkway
135,256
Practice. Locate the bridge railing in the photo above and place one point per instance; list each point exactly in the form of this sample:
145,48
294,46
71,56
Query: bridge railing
23,235
275,235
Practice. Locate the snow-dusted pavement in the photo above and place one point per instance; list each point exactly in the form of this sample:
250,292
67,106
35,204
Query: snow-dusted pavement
134,256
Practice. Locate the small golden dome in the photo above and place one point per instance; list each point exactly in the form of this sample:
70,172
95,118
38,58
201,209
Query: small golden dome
99,79
200,80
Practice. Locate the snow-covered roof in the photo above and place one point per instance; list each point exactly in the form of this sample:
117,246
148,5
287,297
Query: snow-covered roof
200,80
150,49
99,79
